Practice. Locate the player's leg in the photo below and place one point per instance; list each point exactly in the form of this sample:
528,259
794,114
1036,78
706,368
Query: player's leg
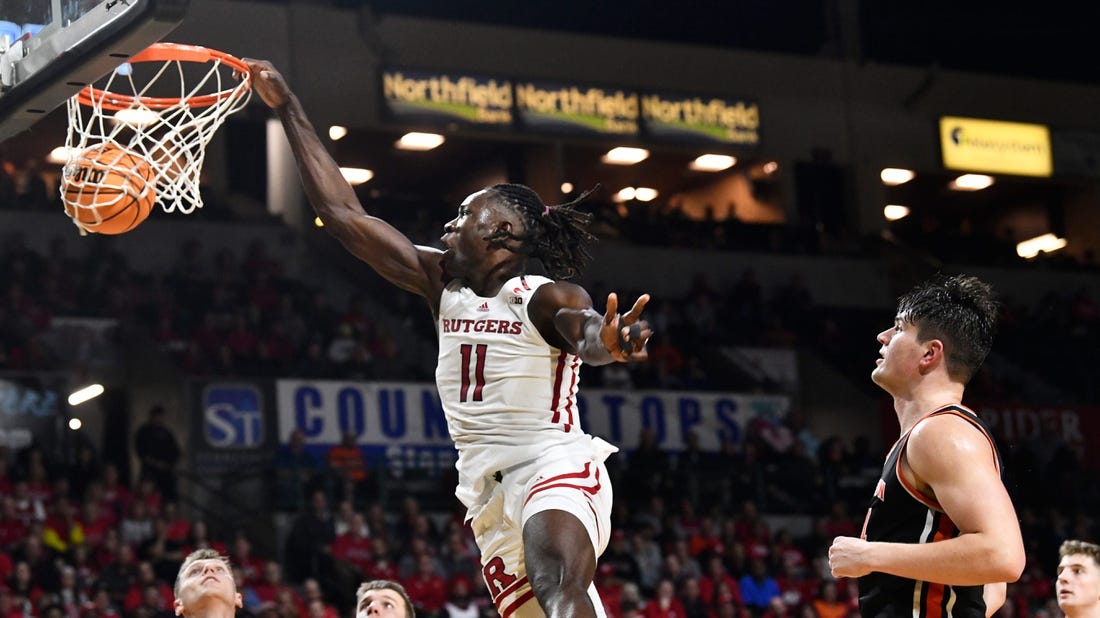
561,564
566,524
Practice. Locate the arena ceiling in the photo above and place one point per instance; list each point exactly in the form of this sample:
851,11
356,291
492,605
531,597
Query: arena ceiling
1052,40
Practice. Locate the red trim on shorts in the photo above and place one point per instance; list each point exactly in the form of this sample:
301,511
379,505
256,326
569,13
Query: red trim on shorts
559,373
518,603
593,490
595,518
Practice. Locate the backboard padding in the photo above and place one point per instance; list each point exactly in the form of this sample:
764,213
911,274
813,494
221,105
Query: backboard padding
64,60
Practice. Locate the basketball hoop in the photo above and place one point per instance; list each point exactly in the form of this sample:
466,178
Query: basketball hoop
165,105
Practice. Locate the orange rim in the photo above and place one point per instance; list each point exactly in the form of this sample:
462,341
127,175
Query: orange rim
166,52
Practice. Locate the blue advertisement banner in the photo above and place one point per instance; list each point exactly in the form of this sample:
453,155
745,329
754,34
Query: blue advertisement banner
405,420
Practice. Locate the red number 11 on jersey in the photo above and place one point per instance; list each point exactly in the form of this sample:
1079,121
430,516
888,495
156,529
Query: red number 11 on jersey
467,351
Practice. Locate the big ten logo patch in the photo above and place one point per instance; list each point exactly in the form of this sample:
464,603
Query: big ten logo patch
496,578
233,416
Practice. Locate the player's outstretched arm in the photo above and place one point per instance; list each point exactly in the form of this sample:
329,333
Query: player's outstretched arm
564,315
371,239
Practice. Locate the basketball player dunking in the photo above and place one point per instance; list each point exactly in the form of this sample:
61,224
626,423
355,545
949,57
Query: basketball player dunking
941,537
510,347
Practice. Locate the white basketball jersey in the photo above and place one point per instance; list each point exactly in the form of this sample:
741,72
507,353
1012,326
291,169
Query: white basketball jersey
507,394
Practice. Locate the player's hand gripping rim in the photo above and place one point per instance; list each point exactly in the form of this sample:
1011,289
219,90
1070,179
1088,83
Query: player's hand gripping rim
625,335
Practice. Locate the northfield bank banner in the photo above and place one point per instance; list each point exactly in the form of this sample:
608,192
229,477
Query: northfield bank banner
448,99
406,419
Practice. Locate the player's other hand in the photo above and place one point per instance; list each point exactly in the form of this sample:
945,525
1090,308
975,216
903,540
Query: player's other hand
268,83
848,557
625,335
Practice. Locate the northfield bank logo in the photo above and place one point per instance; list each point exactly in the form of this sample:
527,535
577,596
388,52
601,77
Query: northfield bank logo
232,416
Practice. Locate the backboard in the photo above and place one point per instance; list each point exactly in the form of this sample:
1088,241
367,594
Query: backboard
50,49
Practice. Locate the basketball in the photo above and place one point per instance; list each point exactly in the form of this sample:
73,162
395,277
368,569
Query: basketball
108,189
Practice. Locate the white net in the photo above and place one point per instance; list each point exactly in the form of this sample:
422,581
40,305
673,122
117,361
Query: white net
164,105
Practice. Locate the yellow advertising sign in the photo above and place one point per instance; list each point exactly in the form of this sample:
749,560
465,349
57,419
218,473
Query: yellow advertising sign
993,146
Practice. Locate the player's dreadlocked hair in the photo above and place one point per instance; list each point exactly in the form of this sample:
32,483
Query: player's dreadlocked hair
556,235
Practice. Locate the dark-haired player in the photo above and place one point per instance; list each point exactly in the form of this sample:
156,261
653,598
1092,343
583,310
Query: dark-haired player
510,348
941,536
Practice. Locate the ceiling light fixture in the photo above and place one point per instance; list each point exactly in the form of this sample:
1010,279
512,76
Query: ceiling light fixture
356,175
59,155
712,163
893,176
1047,243
893,212
137,117
84,394
419,141
624,155
971,182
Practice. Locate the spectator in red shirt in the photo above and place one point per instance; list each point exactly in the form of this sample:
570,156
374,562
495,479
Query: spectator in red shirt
119,574
383,567
200,539
136,596
747,524
100,607
10,604
665,605
316,605
148,493
838,522
5,478
39,486
7,567
272,586
692,600
353,546
12,528
252,568
115,496
426,586
95,523
318,609
715,576
179,528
